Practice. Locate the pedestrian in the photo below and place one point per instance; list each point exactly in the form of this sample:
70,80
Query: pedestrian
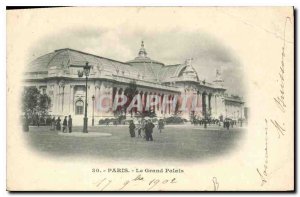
70,124
149,130
65,124
58,126
131,129
140,131
143,128
146,130
53,124
227,124
160,125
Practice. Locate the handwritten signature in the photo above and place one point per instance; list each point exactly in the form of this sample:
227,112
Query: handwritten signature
280,100
264,174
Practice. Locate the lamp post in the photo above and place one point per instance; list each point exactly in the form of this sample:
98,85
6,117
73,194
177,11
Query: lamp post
86,72
93,98
241,117
205,112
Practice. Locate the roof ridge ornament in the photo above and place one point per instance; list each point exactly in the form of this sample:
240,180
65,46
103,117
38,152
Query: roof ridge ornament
219,81
142,52
188,61
218,75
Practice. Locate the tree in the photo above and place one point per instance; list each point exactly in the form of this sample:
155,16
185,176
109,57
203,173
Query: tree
35,103
44,104
130,92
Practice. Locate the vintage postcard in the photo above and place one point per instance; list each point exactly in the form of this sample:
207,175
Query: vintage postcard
150,99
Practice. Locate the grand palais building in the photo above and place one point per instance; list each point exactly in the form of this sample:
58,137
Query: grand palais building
56,74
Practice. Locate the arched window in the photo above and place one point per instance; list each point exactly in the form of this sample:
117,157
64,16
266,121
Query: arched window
79,107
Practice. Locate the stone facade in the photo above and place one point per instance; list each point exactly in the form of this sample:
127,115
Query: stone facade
177,88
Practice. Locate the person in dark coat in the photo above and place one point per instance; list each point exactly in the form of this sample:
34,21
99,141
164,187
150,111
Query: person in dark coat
227,124
65,124
70,124
131,129
58,126
149,131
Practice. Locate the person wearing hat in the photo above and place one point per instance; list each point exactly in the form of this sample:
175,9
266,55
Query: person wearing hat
149,130
65,123
131,129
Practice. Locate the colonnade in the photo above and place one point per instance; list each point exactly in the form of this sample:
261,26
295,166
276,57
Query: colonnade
209,104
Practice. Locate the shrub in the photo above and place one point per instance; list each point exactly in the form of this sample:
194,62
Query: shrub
174,120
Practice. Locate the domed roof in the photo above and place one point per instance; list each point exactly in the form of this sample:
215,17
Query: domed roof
62,58
148,67
142,57
179,72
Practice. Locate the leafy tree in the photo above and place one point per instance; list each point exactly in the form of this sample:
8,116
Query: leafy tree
44,104
35,103
30,100
130,92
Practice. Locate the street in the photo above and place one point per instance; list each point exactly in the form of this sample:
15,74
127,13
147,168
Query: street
176,142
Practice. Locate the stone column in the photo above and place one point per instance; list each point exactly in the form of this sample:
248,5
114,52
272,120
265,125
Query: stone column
147,107
134,109
209,104
213,105
97,100
91,92
57,108
204,104
111,89
216,106
169,104
62,98
116,99
143,101
71,97
159,104
198,104
66,99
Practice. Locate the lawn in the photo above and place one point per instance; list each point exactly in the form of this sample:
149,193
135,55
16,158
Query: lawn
174,143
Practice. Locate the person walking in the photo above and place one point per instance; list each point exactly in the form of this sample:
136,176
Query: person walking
140,131
149,130
146,130
160,125
131,129
65,124
70,124
53,124
58,126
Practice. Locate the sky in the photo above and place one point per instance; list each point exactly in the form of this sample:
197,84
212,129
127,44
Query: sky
170,47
